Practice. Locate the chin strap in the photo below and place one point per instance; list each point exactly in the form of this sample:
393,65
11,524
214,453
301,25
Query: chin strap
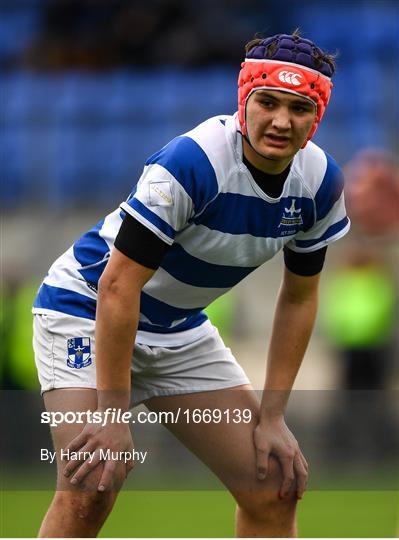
254,149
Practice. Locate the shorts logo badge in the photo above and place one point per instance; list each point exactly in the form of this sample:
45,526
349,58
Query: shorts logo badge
79,352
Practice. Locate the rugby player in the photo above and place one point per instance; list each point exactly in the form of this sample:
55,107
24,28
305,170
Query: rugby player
121,312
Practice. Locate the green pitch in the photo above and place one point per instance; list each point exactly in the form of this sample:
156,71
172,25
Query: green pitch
203,513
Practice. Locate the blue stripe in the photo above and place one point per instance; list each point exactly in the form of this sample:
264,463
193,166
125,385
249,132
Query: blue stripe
188,269
330,189
189,164
331,231
65,301
162,316
240,214
152,218
90,250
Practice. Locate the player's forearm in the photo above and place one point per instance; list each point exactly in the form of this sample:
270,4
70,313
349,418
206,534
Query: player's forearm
116,326
292,328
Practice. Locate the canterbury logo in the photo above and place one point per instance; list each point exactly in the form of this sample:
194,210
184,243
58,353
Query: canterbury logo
289,77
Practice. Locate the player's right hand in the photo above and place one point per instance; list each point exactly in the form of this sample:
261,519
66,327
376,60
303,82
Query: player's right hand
91,445
272,436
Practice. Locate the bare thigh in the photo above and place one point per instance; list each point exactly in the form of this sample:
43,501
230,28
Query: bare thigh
227,448
73,400
76,511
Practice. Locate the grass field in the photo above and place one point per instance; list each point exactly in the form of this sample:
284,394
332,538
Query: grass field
211,513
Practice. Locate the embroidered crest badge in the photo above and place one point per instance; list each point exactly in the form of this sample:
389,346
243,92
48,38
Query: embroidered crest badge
79,352
291,216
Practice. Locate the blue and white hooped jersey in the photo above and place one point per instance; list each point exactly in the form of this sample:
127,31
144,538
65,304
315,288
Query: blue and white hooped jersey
197,195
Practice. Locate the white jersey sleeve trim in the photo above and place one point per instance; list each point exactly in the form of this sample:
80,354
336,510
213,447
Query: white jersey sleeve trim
322,243
132,212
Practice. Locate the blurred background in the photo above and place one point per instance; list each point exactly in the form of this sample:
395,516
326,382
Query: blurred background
91,88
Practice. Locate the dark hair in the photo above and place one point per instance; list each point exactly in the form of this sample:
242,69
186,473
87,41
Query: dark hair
271,45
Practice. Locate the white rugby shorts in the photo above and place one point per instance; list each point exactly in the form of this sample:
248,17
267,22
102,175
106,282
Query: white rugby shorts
64,349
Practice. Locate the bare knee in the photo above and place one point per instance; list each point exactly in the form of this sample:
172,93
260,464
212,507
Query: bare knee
88,507
266,507
262,503
78,511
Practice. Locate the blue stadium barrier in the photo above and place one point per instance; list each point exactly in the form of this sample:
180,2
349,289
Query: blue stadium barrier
81,139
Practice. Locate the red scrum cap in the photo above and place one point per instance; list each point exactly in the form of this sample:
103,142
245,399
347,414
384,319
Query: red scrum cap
292,69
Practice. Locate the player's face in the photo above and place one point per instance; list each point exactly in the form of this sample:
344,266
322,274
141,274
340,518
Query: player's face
278,124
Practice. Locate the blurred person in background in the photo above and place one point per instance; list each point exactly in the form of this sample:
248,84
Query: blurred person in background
360,303
372,191
361,298
119,315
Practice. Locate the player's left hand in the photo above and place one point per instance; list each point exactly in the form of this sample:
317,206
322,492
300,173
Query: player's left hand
272,436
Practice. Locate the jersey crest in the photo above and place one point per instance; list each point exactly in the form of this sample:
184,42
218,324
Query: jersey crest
291,215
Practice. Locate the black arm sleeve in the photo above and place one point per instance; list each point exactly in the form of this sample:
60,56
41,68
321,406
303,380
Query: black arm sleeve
140,244
305,264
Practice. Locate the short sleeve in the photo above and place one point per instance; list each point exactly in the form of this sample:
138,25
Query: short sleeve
331,221
176,184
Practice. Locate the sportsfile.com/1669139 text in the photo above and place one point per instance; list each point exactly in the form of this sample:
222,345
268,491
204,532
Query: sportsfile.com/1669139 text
117,416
